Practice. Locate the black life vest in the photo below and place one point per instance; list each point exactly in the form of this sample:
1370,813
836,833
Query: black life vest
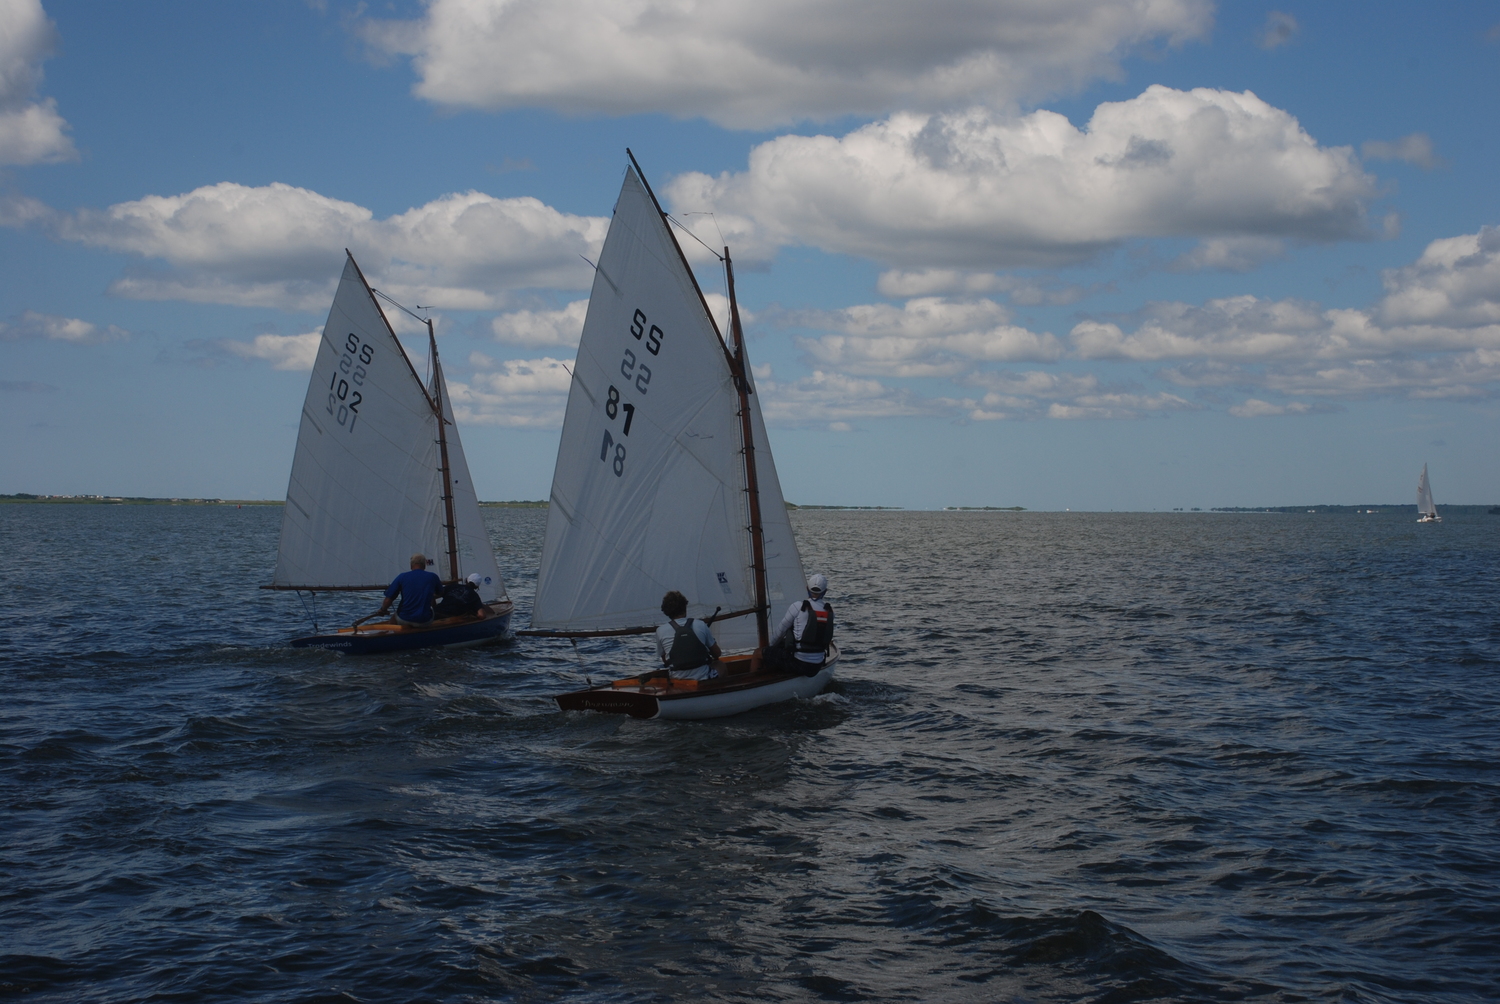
688,650
817,635
459,600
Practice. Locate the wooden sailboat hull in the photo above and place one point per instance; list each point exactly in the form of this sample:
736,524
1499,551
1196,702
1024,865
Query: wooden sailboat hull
452,632
685,700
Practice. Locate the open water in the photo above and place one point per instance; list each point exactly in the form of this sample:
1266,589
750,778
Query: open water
1069,757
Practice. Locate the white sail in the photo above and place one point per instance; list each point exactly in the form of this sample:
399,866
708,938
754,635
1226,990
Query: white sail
648,494
785,579
366,486
475,553
1425,505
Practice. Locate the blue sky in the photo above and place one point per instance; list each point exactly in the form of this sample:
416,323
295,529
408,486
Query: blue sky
1097,255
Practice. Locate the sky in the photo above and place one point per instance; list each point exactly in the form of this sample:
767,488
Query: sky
1086,254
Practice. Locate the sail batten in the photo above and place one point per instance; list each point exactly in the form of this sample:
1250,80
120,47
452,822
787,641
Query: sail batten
650,482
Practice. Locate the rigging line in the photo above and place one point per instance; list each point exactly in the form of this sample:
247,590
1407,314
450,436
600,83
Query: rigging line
420,320
678,223
401,306
694,236
715,218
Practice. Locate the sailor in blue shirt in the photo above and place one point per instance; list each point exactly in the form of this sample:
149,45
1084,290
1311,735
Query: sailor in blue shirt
417,589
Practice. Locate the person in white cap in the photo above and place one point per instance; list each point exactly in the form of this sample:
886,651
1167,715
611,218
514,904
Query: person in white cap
805,632
461,599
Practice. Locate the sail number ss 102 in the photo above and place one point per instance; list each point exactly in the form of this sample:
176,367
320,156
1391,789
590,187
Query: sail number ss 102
634,371
352,365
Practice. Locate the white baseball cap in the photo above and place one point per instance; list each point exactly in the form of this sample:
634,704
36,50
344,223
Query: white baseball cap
817,584
475,579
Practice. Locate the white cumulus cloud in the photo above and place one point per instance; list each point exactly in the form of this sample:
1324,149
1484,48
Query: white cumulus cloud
1414,149
1038,394
836,399
1256,408
758,65
541,327
983,190
31,324
1434,334
520,393
1027,291
1455,283
1230,254
31,131
928,336
283,352
278,245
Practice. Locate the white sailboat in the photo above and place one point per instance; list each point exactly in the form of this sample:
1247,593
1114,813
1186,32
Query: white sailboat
664,480
378,475
1426,510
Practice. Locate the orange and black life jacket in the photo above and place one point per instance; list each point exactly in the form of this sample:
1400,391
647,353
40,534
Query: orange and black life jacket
817,635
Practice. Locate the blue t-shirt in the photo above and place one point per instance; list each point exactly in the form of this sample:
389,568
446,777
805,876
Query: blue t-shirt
417,588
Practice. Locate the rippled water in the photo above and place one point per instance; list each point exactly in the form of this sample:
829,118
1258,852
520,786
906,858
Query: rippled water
1069,757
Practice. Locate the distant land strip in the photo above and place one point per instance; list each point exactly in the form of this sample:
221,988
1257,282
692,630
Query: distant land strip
1411,507
793,505
23,497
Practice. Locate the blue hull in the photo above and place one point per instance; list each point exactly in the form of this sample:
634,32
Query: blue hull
380,638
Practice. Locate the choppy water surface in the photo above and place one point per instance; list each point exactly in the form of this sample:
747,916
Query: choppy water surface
1069,757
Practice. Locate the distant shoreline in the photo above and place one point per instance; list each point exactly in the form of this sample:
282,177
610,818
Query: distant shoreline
23,498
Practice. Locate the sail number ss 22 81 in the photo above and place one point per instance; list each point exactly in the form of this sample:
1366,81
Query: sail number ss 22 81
344,396
636,373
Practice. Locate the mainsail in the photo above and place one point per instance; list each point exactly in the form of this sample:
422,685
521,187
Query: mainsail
649,492
367,487
1425,505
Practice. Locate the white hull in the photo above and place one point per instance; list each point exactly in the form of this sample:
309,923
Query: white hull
732,694
739,701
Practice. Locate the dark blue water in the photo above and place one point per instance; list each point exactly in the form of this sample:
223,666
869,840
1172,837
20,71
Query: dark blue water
1070,757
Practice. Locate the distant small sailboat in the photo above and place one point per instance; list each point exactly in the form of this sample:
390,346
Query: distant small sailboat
379,474
664,481
1426,511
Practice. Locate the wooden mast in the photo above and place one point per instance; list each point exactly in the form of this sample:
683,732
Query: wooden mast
437,408
752,483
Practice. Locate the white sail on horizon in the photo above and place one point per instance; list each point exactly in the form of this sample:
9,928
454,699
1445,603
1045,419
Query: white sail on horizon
366,488
648,494
1425,504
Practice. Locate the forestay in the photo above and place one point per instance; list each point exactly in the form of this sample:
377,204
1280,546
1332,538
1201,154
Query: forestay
366,489
648,494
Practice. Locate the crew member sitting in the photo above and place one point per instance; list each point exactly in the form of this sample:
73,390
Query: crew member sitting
687,648
461,599
805,632
417,589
